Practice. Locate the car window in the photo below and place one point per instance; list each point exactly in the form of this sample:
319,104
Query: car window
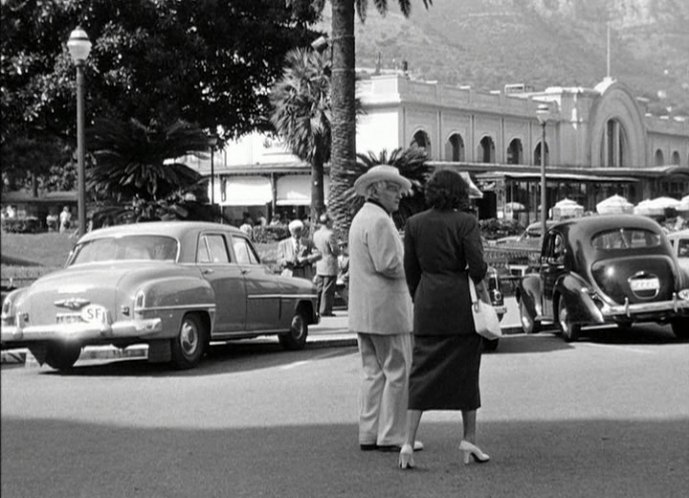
625,238
131,247
212,249
683,248
244,252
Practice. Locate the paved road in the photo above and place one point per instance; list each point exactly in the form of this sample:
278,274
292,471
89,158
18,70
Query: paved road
607,416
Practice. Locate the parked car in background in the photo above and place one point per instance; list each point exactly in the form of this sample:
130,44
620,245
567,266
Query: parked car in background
616,269
680,247
529,237
175,286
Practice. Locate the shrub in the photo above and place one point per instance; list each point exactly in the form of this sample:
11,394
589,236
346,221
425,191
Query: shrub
271,233
30,224
493,228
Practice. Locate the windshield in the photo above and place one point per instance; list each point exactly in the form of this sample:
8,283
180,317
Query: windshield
625,238
133,247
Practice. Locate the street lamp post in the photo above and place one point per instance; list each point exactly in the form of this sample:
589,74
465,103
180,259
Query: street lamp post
79,47
543,113
212,142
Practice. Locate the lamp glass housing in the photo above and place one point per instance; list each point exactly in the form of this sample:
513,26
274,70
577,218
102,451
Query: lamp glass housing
79,45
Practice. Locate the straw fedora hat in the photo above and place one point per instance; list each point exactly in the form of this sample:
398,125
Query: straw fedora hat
383,172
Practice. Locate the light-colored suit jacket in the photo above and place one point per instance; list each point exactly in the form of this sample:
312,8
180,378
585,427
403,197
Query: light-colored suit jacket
325,241
287,255
379,301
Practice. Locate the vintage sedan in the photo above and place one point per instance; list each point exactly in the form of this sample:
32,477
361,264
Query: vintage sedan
599,270
680,247
175,286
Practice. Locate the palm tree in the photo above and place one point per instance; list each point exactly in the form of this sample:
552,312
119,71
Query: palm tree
343,95
132,160
412,165
301,114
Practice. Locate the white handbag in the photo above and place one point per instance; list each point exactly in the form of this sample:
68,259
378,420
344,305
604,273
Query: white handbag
485,318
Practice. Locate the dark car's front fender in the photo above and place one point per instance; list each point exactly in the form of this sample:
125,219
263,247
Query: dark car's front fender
530,292
573,291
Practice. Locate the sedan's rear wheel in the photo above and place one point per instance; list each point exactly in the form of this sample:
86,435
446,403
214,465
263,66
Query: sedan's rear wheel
296,337
490,344
570,331
529,324
189,345
62,356
680,327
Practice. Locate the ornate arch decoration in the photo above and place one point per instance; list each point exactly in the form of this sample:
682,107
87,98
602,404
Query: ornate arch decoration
485,149
616,105
455,147
420,138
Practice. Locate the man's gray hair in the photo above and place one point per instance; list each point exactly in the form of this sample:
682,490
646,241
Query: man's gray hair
373,189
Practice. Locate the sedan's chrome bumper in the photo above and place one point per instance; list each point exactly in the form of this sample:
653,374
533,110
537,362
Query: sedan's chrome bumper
676,306
82,332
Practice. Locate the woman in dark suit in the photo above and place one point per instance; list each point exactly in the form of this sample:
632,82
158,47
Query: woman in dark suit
442,249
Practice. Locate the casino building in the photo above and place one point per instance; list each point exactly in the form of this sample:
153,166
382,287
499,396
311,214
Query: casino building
598,142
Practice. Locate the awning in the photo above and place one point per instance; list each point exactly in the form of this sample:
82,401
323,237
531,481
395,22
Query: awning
295,190
553,176
243,191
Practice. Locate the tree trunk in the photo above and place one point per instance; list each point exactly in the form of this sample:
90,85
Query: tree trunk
343,155
317,193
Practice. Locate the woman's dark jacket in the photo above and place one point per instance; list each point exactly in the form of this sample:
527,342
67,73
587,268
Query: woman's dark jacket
438,246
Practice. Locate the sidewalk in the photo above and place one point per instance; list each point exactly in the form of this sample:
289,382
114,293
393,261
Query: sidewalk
330,332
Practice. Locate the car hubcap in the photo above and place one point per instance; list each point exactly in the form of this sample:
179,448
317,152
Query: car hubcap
189,338
297,327
564,321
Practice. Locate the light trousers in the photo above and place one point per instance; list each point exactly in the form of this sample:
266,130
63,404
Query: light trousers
386,361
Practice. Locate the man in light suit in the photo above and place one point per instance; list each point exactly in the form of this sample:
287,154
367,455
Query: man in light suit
297,253
380,310
327,267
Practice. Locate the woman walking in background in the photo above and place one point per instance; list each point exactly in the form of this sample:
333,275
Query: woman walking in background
442,249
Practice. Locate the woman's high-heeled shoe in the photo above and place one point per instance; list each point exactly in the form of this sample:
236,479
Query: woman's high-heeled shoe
406,460
471,450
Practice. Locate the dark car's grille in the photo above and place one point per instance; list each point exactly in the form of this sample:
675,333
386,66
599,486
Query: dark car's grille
640,279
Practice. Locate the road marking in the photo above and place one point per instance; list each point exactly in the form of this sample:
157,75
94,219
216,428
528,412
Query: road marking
631,349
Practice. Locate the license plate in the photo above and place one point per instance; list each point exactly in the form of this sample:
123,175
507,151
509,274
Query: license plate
69,318
645,284
94,313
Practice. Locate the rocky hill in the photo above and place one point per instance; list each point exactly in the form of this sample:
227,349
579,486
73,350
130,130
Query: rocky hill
490,43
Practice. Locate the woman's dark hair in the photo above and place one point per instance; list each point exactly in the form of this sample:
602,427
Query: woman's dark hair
447,190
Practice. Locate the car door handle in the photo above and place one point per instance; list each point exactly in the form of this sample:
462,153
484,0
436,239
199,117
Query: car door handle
207,271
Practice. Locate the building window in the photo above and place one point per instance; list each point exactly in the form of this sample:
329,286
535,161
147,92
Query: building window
615,149
487,150
422,141
515,152
660,161
454,148
537,154
675,158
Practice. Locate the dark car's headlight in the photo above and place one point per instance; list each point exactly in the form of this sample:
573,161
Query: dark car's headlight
684,294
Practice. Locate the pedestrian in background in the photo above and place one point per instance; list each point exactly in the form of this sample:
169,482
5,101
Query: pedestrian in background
442,250
296,254
326,268
247,227
65,219
380,310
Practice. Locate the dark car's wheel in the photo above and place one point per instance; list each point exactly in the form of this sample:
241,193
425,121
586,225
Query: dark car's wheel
296,337
529,324
680,327
61,356
570,331
490,344
188,346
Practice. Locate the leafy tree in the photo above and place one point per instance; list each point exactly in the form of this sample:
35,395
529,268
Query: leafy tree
412,165
134,161
203,61
301,114
343,95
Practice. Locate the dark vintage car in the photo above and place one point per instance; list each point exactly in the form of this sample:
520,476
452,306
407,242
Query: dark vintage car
173,285
599,270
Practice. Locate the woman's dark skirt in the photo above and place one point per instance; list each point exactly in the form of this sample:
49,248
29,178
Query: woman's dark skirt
444,372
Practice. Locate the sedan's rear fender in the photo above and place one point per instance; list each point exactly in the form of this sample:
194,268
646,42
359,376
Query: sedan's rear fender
574,292
171,298
530,292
